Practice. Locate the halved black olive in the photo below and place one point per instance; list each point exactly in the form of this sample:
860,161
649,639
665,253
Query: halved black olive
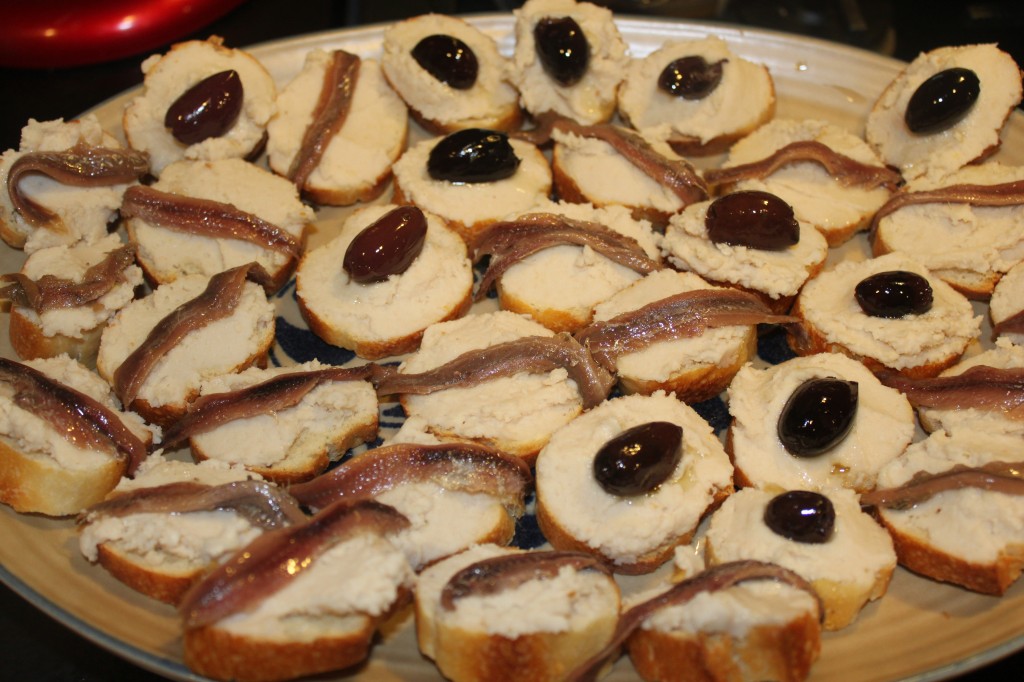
818,416
894,294
691,77
447,59
942,101
473,155
639,459
207,109
802,516
752,218
562,48
387,246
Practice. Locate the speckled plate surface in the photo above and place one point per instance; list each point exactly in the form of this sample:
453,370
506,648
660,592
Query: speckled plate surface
920,630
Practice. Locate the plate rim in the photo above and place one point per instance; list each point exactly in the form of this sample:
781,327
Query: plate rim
490,22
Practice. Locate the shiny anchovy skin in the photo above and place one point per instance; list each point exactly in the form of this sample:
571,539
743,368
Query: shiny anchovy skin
536,354
81,166
675,174
510,242
1003,194
714,579
50,292
258,502
329,116
465,467
682,315
277,557
206,218
1001,477
981,386
508,571
277,393
75,416
217,301
848,172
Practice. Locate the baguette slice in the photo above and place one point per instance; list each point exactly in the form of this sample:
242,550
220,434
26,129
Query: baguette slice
42,472
743,100
965,536
851,569
356,162
169,76
491,101
162,554
970,139
75,330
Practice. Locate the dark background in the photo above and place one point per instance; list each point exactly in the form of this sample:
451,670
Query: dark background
38,649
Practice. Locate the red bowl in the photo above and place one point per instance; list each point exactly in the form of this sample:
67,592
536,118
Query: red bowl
58,33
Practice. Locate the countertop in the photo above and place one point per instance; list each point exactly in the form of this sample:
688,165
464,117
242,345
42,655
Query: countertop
36,647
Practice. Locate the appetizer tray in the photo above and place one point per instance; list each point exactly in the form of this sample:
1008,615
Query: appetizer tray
921,630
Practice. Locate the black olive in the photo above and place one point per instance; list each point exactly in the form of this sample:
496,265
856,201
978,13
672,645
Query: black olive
818,416
894,294
388,246
447,59
942,100
639,459
473,155
752,218
562,48
802,516
207,109
691,77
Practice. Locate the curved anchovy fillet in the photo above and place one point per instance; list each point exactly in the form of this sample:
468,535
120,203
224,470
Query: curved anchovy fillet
206,218
81,166
329,115
677,175
510,242
714,579
845,170
464,467
508,571
536,354
1000,477
277,393
981,386
262,504
74,416
1003,194
50,292
682,315
277,557
217,301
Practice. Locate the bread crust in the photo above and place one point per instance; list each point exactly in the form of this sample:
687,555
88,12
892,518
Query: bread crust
566,189
30,343
37,484
544,656
158,583
842,601
783,653
222,655
698,384
992,578
299,469
561,539
375,349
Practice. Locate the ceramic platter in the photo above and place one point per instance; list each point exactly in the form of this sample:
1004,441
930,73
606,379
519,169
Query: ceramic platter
920,630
